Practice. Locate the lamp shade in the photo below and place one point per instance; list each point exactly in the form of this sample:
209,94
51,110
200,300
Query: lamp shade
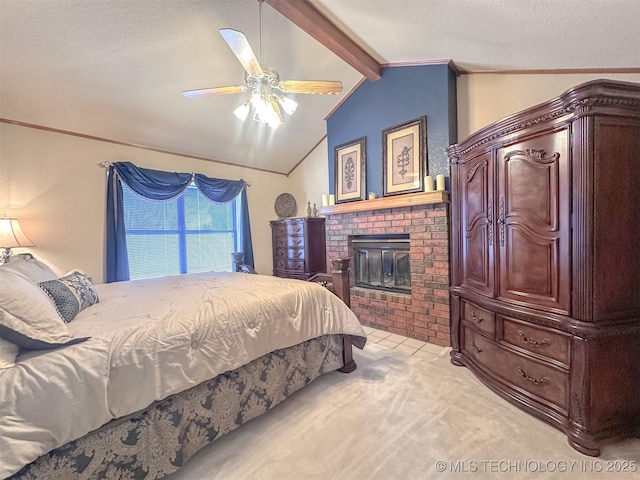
11,234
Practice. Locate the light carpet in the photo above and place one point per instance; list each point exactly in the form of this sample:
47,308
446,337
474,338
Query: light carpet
401,417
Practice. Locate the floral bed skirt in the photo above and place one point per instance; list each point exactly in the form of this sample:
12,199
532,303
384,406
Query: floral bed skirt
157,441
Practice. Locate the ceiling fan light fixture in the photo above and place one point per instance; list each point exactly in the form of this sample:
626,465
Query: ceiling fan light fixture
269,113
242,111
262,112
275,117
289,105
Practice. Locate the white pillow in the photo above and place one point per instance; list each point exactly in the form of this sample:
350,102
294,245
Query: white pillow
27,317
8,353
30,267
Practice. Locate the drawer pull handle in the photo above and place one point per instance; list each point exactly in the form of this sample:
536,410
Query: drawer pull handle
531,379
475,347
297,229
298,254
475,318
533,343
298,242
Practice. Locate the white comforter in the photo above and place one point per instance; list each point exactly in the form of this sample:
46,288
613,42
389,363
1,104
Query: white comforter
150,339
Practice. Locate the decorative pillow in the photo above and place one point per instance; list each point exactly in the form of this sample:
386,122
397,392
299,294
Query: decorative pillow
30,267
71,294
27,317
8,353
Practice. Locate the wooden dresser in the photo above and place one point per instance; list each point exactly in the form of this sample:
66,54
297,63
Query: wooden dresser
545,296
298,247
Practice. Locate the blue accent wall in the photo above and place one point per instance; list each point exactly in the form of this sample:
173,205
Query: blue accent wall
401,95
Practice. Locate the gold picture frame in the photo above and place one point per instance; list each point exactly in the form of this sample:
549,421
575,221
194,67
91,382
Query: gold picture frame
404,157
350,170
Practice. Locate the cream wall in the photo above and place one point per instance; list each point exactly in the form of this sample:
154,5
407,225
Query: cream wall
53,184
311,179
485,98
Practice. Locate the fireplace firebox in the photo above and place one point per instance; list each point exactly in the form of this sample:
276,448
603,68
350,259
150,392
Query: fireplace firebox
382,262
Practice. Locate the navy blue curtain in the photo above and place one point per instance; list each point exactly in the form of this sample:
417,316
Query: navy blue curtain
163,186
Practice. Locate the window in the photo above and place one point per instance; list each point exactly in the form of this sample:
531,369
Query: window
187,235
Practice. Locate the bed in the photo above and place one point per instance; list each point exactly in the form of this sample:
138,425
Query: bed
154,370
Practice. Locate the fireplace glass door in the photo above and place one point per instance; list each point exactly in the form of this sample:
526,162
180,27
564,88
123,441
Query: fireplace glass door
382,265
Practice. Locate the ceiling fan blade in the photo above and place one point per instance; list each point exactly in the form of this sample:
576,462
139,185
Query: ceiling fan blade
325,87
239,45
205,92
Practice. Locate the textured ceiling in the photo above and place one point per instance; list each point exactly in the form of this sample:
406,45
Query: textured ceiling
116,68
495,34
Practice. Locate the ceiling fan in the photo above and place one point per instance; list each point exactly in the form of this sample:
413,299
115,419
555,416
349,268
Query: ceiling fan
268,92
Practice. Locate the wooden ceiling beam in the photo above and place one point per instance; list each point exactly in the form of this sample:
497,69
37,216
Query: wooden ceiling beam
307,17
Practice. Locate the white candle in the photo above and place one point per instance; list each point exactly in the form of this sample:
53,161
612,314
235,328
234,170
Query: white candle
440,182
428,184
325,199
332,199
372,196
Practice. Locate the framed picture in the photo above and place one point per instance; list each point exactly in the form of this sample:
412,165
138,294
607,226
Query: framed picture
350,170
404,157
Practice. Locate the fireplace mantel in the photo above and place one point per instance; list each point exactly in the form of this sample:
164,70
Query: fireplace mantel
395,201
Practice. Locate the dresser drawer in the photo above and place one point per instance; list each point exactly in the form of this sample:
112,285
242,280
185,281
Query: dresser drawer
520,371
290,253
292,241
290,228
478,317
292,265
539,340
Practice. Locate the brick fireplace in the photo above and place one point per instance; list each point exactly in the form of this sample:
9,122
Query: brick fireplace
424,313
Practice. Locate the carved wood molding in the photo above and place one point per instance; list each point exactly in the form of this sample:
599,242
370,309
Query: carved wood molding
457,152
585,103
473,171
533,154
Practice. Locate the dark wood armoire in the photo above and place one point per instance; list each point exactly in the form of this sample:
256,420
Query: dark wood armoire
545,296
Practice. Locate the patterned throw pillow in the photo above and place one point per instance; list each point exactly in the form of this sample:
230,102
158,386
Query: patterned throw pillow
28,318
71,294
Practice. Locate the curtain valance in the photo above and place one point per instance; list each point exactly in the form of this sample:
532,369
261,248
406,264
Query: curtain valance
163,186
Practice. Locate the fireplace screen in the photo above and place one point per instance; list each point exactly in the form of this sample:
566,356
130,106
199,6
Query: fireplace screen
382,262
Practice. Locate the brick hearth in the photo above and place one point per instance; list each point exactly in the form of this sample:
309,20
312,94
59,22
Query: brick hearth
424,314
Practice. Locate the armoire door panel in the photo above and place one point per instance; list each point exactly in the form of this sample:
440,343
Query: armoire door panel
531,274
477,223
475,191
531,185
476,265
533,222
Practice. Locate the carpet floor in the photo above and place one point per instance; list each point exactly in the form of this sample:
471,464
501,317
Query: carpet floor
401,417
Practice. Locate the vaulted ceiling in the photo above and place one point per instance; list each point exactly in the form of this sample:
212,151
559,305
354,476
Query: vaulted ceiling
115,69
